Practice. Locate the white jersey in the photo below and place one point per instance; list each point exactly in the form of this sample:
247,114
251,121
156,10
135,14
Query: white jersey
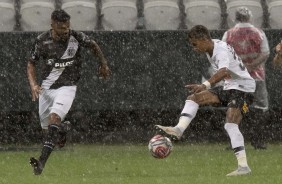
224,56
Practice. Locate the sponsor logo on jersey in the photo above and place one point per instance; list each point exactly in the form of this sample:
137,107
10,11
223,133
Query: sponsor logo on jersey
50,62
47,42
71,52
59,103
64,64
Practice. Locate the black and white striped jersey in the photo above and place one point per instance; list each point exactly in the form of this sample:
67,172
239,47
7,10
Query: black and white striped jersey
61,59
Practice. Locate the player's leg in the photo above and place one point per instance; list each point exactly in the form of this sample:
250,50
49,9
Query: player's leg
61,105
233,119
189,112
65,125
45,102
51,138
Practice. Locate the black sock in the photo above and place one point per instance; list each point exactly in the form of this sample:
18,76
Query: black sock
50,142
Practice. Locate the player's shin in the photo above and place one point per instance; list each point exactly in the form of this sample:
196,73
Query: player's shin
237,142
50,142
187,115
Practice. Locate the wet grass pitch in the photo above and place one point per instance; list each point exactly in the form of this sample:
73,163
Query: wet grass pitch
202,163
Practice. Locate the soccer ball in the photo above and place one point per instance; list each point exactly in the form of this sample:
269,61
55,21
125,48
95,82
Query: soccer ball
160,146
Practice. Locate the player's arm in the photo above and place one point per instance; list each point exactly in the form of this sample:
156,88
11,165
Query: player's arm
218,76
277,60
104,70
31,74
221,74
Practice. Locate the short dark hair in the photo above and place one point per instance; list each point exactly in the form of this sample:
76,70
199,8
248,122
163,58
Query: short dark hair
243,14
198,32
60,16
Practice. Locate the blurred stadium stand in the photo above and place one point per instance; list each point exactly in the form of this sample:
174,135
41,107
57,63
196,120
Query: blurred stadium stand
7,18
254,5
128,15
275,9
119,14
161,14
83,14
35,14
205,12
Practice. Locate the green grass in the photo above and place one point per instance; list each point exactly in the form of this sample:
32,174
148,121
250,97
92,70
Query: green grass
132,164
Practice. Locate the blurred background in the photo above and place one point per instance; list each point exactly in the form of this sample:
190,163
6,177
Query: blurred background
145,44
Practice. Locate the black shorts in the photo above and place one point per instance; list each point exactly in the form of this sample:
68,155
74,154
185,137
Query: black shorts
233,98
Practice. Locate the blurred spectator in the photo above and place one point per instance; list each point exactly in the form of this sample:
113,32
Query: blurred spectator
277,60
251,44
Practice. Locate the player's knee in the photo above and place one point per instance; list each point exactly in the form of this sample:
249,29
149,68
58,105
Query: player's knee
229,126
234,115
54,118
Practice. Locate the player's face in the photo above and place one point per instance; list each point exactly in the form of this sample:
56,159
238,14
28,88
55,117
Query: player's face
199,45
61,30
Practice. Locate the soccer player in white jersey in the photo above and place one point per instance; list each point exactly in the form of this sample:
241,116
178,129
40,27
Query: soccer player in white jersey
236,92
58,50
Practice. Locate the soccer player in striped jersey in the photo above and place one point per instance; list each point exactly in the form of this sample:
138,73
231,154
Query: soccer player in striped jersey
236,92
58,51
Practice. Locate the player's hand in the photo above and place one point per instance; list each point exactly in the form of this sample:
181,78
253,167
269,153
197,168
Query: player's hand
196,88
104,71
35,91
277,60
278,48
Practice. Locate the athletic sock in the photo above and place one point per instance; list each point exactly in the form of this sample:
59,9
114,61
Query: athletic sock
241,156
237,142
49,144
187,115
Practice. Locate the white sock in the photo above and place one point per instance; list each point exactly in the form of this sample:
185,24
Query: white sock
187,115
237,142
242,158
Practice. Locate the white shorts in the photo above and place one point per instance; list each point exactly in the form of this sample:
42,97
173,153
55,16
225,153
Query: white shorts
57,101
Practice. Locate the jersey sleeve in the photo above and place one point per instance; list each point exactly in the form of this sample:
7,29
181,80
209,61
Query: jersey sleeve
83,39
224,38
35,51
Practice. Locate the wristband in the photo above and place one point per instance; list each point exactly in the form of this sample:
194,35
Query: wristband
207,84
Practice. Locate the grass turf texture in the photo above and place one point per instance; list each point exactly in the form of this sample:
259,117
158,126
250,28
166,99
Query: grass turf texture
132,164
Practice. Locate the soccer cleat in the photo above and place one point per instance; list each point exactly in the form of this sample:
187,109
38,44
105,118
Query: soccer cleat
240,171
173,132
62,139
37,166
65,126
